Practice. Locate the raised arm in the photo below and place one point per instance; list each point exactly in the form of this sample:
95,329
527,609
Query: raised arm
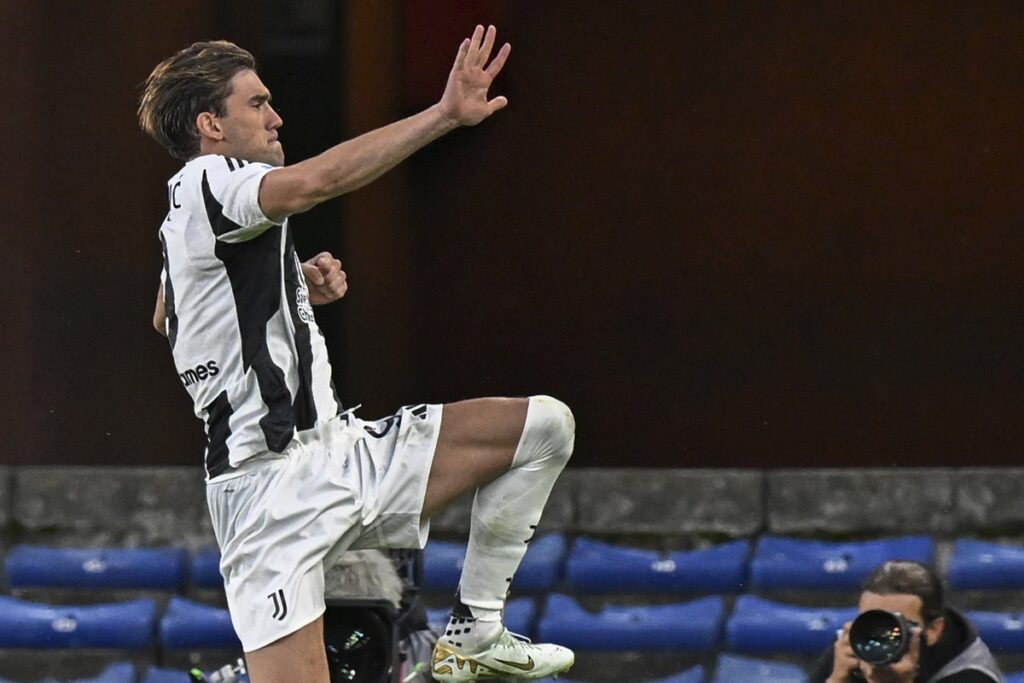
360,161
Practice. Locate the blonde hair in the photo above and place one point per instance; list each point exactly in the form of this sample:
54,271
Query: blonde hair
190,82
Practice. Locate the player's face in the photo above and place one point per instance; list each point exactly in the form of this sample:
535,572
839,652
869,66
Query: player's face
250,126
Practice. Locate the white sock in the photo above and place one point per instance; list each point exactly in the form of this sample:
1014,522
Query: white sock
505,514
472,631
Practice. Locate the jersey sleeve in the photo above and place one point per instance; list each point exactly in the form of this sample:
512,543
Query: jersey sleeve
231,192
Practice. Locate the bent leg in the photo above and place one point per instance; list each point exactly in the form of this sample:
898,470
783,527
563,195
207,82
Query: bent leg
299,656
511,451
476,444
513,460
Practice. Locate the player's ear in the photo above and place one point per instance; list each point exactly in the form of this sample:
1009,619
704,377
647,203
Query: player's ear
209,126
934,630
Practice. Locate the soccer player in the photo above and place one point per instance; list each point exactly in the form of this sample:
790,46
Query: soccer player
292,479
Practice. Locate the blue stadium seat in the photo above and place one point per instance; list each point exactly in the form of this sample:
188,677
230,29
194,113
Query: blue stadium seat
205,569
1014,678
30,566
781,563
690,626
121,672
189,625
442,565
758,626
985,566
539,571
733,668
127,625
158,675
596,567
1001,631
519,616
692,675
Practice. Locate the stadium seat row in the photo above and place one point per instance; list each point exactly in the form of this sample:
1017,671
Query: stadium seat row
124,672
587,566
728,669
756,627
774,563
736,669
753,626
130,625
161,569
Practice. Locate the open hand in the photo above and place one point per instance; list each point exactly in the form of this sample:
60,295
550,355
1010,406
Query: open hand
465,96
843,659
325,278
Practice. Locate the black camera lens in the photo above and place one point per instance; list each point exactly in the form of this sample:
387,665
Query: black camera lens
359,646
879,637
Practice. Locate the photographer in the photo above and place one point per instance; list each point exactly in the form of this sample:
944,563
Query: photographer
943,647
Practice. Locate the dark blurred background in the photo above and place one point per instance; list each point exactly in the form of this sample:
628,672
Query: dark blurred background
729,234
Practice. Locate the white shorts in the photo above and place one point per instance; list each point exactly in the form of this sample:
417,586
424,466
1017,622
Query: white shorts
281,518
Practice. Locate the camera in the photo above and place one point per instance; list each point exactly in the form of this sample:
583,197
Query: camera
879,637
361,638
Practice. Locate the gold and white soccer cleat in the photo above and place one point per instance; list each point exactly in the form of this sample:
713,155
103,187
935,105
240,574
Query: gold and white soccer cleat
511,657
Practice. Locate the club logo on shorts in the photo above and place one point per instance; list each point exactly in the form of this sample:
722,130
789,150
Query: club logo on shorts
280,605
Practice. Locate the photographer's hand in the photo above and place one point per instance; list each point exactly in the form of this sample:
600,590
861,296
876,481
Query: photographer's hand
902,671
843,659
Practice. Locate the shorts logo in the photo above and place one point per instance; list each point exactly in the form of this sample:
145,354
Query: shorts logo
280,606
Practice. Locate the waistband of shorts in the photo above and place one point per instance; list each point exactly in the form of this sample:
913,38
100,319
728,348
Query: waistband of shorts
253,462
321,431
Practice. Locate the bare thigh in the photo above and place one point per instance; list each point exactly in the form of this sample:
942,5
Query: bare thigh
476,443
299,656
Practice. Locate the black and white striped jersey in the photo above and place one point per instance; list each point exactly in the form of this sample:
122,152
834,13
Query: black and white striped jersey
239,321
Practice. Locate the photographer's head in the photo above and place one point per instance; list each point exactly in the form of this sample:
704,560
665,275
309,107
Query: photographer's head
904,633
910,588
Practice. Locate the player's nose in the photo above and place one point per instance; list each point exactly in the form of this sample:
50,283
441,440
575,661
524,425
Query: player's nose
275,121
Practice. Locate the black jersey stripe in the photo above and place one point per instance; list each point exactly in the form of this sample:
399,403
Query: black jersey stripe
254,268
218,429
305,404
231,166
172,317
337,398
219,223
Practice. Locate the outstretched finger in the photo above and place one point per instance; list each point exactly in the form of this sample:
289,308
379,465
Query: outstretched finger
460,58
485,49
499,61
497,103
473,55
